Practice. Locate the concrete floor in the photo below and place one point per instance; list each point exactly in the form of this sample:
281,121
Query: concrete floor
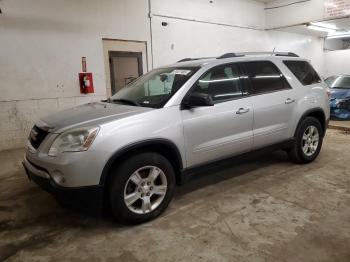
264,209
340,125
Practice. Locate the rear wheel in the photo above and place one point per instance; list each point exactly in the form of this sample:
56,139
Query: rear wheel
142,188
308,141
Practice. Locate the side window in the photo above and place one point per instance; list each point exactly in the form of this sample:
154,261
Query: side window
303,71
264,77
222,83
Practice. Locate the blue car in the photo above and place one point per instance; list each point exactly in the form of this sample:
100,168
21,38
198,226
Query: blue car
339,87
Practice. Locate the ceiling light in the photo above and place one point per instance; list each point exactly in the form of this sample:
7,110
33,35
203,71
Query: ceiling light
321,28
346,35
325,25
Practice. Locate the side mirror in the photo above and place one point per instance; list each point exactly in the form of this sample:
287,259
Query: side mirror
198,100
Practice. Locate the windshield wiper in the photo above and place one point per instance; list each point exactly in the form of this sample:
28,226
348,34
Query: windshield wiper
125,101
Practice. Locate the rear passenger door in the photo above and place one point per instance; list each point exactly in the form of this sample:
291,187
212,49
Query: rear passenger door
273,102
222,130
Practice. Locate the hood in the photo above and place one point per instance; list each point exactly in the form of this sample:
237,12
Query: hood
89,114
337,93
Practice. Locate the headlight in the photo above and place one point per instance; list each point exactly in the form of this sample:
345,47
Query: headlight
74,140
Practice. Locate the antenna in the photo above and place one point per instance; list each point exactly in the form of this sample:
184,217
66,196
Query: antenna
273,51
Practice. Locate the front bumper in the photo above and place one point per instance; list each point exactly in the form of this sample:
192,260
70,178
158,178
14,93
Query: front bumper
87,198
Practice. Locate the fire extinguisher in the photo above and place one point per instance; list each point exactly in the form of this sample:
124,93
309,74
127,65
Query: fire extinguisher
86,83
85,79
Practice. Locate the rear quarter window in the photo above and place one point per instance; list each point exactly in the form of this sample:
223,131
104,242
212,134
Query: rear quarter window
303,71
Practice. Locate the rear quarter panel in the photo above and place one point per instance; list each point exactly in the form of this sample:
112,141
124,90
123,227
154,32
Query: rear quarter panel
307,98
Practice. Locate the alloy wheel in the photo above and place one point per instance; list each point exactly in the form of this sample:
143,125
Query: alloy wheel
310,140
145,189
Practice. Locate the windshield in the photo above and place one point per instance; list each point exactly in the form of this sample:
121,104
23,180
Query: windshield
342,82
155,88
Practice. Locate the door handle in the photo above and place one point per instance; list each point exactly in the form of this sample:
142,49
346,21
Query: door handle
289,101
242,111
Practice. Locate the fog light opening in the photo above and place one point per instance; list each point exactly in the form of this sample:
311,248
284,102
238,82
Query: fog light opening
58,177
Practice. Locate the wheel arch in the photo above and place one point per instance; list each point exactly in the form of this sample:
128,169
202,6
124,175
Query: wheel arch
317,113
162,146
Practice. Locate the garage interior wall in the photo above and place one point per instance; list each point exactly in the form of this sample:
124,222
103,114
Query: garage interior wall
290,14
181,39
338,62
42,43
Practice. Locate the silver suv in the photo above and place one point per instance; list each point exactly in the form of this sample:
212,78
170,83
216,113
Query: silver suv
131,150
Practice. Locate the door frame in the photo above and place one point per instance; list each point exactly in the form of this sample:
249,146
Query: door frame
112,54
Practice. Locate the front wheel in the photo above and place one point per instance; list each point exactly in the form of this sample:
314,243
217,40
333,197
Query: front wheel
308,141
142,188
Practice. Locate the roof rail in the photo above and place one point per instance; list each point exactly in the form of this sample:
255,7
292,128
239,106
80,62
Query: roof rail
228,55
287,54
184,60
192,59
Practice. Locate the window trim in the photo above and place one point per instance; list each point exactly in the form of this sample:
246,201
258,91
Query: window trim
249,84
243,86
320,79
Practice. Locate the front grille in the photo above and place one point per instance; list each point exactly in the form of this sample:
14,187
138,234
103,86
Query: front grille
37,136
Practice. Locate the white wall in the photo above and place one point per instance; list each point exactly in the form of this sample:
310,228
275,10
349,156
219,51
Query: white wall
245,13
218,28
312,10
337,62
41,45
181,39
184,38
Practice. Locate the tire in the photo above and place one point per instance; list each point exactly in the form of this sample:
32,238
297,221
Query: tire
142,188
303,141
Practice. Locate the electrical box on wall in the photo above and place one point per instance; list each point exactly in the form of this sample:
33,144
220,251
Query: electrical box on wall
86,83
85,79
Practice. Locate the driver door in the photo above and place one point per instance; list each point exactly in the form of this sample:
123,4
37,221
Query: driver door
225,129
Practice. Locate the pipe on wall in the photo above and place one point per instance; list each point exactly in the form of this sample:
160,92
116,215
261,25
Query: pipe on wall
285,5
